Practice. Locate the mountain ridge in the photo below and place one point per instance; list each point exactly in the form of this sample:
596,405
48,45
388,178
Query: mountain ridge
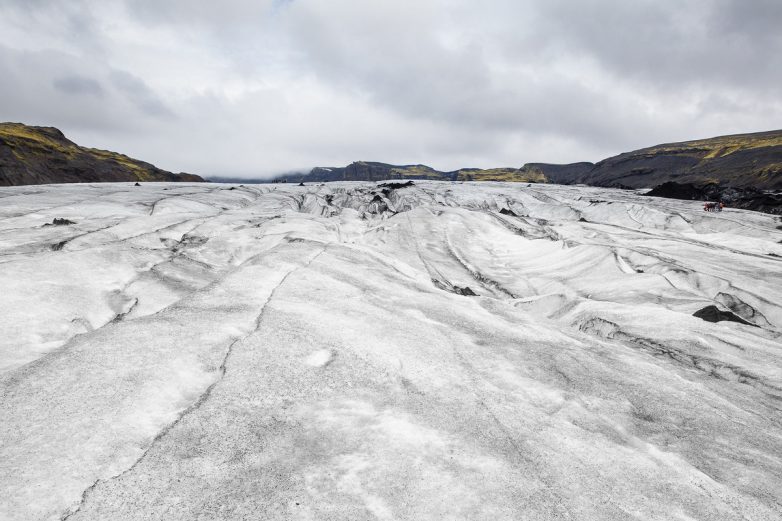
736,160
377,171
743,169
31,155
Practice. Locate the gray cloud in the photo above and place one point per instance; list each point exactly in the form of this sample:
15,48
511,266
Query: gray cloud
139,94
78,85
250,88
720,43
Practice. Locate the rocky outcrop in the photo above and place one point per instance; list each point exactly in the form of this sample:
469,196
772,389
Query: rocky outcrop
43,155
715,314
748,198
559,174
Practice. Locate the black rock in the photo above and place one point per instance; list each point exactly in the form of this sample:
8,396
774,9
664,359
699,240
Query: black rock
508,211
60,222
747,198
466,291
137,184
714,314
396,186
687,191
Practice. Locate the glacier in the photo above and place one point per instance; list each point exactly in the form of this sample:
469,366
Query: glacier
347,350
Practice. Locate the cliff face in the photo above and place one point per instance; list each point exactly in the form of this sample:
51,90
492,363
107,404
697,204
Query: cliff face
741,160
559,174
43,155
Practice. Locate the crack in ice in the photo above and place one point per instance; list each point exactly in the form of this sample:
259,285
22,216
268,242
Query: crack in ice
222,370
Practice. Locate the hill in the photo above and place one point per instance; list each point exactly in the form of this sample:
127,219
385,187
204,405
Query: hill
738,161
43,155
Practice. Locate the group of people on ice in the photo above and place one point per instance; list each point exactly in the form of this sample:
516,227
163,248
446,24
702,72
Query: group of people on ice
713,207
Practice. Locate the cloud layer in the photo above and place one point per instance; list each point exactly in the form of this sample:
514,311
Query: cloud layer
253,88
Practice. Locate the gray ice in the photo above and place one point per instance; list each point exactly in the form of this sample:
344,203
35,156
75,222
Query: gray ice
445,351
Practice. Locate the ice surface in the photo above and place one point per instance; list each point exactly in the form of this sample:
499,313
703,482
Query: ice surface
444,351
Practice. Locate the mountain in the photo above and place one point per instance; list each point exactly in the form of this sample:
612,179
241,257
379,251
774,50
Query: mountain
43,155
738,161
742,169
739,168
374,171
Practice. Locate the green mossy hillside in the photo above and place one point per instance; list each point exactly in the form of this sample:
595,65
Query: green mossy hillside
739,160
43,155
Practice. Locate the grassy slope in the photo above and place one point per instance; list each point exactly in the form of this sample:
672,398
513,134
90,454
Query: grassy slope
721,146
502,174
34,155
737,160
469,174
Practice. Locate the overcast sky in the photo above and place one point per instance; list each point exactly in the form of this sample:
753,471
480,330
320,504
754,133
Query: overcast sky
253,88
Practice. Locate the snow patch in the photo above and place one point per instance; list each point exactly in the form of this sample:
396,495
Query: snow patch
320,358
